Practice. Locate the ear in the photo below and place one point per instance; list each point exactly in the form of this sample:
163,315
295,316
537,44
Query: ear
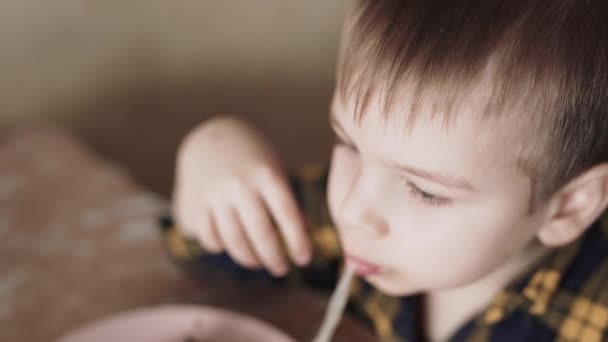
575,207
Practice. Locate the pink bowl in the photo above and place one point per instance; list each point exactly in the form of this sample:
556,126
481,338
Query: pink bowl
175,324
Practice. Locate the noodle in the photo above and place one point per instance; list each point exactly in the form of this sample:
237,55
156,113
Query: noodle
336,306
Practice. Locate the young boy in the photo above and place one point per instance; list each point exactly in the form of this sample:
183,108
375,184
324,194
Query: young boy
467,181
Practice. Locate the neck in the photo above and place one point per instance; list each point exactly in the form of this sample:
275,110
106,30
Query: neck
448,310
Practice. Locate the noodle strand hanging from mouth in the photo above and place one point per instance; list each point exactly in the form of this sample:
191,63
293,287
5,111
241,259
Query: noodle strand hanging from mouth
336,306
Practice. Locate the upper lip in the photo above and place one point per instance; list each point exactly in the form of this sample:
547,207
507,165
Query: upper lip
362,260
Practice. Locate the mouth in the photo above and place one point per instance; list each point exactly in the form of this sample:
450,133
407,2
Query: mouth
362,267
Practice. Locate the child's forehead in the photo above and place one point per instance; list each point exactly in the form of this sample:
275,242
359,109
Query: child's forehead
407,108
428,125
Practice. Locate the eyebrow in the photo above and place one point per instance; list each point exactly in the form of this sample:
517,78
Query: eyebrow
445,180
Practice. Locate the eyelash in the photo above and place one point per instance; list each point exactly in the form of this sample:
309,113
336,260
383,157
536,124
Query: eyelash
425,197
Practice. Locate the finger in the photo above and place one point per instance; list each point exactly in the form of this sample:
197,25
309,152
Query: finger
261,233
197,223
183,221
233,237
285,211
206,232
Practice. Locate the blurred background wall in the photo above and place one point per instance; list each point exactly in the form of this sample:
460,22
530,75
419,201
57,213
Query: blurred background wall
131,77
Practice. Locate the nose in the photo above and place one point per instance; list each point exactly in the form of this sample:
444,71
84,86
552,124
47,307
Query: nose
366,223
361,207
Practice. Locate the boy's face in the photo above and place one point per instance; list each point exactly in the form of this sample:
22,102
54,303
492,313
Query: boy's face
433,207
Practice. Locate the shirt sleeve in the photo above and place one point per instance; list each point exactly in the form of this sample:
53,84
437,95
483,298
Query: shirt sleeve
309,187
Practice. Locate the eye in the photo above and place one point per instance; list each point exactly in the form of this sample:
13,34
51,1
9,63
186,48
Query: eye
339,141
426,197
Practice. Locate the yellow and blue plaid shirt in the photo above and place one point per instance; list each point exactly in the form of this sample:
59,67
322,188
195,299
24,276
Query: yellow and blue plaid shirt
565,298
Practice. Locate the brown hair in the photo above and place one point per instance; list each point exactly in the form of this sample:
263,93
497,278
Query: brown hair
546,60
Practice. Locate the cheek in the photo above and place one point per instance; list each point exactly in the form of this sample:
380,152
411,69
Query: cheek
464,246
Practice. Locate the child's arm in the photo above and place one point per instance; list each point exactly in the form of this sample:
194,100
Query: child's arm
218,172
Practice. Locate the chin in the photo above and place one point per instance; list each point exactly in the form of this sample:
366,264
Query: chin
392,287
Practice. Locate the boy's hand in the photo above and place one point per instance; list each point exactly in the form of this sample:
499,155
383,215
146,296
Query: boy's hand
230,189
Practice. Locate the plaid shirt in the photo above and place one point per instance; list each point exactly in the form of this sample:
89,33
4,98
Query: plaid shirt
565,298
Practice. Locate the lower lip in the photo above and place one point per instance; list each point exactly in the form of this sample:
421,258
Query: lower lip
361,267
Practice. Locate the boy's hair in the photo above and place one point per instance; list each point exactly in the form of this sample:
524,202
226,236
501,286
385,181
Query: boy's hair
546,60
